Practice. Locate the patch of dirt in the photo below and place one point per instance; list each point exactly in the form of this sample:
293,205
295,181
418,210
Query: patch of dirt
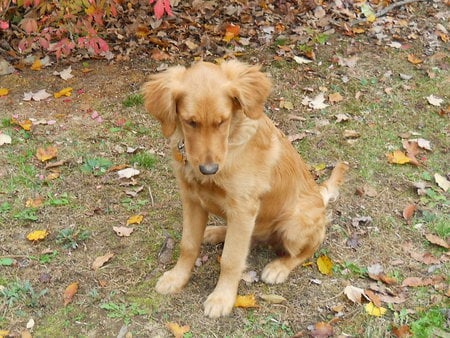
97,203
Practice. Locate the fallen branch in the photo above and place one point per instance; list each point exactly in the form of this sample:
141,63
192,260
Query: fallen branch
386,10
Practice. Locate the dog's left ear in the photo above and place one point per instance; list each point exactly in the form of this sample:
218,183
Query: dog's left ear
249,86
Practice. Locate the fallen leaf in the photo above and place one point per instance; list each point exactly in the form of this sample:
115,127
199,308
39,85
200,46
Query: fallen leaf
325,265
335,97
296,137
341,117
286,105
45,154
351,134
34,202
401,331
4,91
231,32
123,231
322,330
434,100
25,124
101,260
250,276
373,297
25,334
5,139
246,301
135,219
442,182
318,102
37,235
408,211
177,330
38,96
398,157
424,144
437,240
128,173
37,65
63,92
165,254
273,299
414,59
70,292
65,74
419,281
301,60
426,258
374,310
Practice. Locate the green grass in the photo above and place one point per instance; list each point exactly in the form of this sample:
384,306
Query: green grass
144,160
133,100
429,322
122,311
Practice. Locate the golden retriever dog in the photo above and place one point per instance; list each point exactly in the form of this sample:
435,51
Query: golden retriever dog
230,160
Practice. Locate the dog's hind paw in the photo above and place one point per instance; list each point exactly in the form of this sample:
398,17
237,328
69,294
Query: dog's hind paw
275,272
215,234
218,304
170,282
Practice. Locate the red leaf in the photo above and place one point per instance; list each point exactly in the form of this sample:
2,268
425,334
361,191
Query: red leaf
409,211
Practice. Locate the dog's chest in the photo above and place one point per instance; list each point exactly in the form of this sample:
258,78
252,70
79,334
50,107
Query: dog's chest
211,197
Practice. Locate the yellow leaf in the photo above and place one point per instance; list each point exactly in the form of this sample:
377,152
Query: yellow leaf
4,92
63,92
177,330
69,292
26,124
414,59
135,219
325,265
37,65
373,310
358,30
245,301
37,235
47,153
90,10
231,32
4,333
34,202
320,166
398,157
335,97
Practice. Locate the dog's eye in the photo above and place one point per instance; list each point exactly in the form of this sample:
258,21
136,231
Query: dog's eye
192,123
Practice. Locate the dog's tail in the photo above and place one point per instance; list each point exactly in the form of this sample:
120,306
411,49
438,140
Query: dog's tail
330,188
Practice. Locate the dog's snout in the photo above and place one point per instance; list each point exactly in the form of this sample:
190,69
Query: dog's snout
209,168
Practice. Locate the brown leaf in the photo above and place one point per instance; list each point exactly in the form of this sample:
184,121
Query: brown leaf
34,202
335,97
408,211
419,281
296,137
402,331
101,260
45,154
70,292
414,59
426,258
437,240
322,330
123,231
177,330
373,297
354,293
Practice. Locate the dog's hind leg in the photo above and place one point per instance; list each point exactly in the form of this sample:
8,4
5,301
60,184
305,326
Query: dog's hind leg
215,234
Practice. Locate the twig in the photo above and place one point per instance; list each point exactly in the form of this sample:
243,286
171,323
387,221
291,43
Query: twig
386,10
151,196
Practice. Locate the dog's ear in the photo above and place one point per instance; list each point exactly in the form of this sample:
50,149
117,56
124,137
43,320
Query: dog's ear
249,86
161,94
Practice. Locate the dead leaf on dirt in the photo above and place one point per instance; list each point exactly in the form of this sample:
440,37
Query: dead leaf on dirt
63,92
373,297
38,96
401,331
101,260
362,220
426,258
351,134
367,190
247,301
231,32
419,281
166,252
422,143
434,100
135,219
24,124
348,62
65,74
273,299
398,157
128,173
35,202
414,59
123,231
250,276
286,105
301,60
45,154
322,330
376,272
341,117
325,265
177,330
318,102
437,240
296,137
37,235
354,293
442,182
5,139
135,191
335,98
408,211
37,65
374,310
55,164
4,91
69,293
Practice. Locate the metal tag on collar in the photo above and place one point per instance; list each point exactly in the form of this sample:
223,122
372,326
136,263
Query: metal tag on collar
180,155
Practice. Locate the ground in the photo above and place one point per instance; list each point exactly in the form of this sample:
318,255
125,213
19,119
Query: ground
383,217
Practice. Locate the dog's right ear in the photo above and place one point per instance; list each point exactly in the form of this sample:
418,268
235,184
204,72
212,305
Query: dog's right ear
161,94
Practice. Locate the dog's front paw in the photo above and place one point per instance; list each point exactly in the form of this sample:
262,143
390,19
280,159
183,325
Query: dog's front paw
170,282
275,272
219,304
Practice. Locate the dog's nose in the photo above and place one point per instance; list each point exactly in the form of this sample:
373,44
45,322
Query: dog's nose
209,168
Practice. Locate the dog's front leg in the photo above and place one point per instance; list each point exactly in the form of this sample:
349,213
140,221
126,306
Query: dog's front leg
240,224
194,223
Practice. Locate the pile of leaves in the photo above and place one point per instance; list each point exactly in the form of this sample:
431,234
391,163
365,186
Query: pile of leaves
198,28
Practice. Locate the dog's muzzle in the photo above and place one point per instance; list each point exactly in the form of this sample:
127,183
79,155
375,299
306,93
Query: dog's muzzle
208,169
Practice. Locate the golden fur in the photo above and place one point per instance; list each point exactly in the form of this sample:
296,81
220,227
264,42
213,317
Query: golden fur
230,160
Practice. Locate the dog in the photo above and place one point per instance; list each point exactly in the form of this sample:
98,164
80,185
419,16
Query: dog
230,160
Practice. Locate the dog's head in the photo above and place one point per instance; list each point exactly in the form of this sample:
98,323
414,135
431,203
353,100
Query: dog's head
202,101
